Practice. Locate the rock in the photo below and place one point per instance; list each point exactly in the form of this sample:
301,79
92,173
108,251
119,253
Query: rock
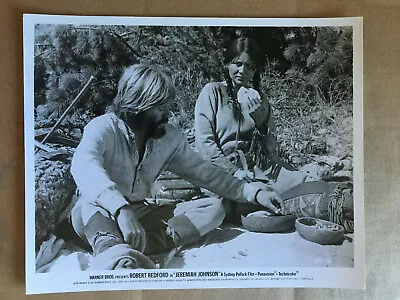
347,164
312,170
325,166
344,175
338,166
329,160
298,160
317,171
54,188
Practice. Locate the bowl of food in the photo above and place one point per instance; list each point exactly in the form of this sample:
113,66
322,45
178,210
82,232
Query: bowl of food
319,231
264,221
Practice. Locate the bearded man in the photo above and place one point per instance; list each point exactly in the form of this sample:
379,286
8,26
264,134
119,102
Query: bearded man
121,154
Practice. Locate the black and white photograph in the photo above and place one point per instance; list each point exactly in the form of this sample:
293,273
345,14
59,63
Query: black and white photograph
203,152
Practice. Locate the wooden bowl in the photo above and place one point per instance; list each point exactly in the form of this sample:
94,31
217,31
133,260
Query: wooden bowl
319,231
268,224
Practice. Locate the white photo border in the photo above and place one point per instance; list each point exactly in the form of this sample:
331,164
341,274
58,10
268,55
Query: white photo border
306,277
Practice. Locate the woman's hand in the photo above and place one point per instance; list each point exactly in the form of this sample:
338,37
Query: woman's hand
270,200
132,231
255,106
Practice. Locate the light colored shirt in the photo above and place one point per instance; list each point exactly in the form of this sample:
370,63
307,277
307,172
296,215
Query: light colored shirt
106,165
216,127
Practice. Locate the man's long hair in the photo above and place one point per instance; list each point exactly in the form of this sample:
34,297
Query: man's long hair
140,88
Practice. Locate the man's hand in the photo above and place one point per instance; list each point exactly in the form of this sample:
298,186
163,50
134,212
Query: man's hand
245,175
270,200
132,231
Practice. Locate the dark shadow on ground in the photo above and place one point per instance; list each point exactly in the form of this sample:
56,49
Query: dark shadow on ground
224,234
219,235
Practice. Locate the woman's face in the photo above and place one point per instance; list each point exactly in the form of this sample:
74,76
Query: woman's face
241,70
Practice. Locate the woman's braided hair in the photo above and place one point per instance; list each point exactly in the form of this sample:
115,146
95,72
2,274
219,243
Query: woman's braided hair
237,111
257,153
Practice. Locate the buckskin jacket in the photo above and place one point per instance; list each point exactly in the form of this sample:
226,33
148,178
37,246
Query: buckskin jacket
106,165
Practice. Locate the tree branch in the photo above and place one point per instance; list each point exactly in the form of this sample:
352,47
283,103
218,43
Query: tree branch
119,37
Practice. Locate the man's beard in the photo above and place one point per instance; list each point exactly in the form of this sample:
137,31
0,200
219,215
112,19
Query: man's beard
157,130
154,129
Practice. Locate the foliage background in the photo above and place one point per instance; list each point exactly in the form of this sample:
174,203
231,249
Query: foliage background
307,73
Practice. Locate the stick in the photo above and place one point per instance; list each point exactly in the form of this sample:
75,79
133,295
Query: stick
120,38
68,109
43,147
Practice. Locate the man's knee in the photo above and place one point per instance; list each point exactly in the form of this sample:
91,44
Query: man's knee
217,212
205,214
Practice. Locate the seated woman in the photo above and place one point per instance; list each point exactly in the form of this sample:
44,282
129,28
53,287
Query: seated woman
235,129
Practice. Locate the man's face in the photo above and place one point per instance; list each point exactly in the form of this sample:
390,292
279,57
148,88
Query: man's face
155,120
